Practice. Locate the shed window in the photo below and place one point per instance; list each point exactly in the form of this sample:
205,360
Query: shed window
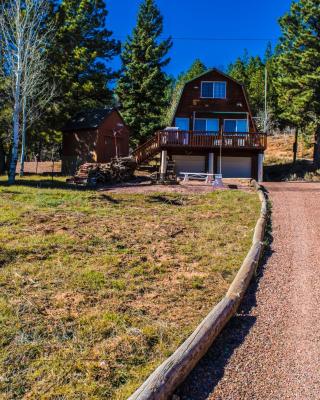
214,90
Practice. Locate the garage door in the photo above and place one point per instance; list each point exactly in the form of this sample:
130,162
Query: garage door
236,167
189,163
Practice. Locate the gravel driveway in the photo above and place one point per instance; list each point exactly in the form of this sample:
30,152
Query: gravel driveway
271,349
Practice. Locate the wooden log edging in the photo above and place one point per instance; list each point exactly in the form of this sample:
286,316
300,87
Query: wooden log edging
172,372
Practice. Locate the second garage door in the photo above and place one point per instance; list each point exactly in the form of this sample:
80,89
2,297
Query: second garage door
189,163
236,167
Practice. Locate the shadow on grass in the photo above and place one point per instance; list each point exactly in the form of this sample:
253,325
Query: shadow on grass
110,199
43,181
209,371
166,200
285,172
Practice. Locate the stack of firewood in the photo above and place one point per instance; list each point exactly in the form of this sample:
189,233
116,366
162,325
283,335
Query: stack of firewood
118,170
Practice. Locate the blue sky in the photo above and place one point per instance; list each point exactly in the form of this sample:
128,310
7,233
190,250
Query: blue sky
234,25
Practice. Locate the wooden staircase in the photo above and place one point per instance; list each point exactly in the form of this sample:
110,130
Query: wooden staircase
147,150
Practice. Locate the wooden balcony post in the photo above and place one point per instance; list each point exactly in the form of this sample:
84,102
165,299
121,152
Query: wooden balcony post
163,165
260,167
211,163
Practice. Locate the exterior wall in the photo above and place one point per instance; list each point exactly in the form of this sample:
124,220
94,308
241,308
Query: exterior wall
95,145
106,144
192,105
191,101
77,148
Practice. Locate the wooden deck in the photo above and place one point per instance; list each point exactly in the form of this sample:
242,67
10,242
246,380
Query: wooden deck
200,140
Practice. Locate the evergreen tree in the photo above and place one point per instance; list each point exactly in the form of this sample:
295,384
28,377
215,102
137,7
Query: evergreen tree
270,60
298,67
250,71
255,87
143,86
238,70
79,58
196,69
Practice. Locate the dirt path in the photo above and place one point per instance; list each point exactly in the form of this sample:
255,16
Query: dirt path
271,349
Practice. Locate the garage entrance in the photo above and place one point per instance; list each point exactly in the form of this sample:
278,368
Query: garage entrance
236,167
189,163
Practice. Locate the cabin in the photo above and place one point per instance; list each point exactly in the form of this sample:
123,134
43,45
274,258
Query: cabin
213,131
94,136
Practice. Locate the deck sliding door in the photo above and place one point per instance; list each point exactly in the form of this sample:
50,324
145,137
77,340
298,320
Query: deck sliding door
236,125
182,123
206,125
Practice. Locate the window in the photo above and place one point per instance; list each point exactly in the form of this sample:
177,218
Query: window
200,125
209,124
182,123
207,89
220,90
214,90
235,125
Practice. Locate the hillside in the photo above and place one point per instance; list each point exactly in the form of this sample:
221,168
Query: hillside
280,149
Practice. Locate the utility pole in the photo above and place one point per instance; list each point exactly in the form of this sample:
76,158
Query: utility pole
265,125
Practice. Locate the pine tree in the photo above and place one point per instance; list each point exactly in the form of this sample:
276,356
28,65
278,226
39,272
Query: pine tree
298,67
238,70
143,86
196,69
269,62
256,76
250,71
79,58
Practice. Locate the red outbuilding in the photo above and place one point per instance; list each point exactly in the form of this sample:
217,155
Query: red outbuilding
94,136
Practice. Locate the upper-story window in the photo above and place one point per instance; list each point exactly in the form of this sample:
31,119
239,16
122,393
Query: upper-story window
214,90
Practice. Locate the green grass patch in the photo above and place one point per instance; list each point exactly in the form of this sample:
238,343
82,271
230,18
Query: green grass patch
97,291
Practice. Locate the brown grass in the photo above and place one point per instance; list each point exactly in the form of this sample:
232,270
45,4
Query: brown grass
280,149
97,290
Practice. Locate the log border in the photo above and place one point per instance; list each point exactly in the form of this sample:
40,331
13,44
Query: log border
161,384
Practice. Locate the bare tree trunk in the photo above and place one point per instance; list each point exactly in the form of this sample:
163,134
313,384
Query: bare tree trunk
2,158
295,146
23,137
23,40
16,127
316,154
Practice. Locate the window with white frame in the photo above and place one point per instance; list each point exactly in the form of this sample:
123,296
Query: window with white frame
236,125
206,124
214,90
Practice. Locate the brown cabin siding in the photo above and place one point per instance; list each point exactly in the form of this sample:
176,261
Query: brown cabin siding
191,101
94,145
80,144
106,146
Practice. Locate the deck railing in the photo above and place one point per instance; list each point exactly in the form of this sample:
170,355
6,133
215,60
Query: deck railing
201,139
198,140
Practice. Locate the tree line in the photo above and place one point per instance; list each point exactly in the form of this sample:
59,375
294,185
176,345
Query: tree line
66,68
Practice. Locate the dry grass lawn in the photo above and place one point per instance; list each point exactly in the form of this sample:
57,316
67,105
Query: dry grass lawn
98,289
280,149
279,160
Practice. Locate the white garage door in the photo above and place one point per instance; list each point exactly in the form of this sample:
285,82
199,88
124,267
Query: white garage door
189,163
236,167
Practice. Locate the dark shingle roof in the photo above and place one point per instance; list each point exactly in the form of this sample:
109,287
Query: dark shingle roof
89,119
